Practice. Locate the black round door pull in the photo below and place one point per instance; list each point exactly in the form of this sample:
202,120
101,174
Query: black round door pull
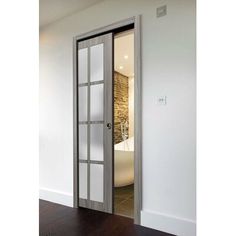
109,125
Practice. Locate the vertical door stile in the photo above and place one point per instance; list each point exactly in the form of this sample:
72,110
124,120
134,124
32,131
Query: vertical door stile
88,132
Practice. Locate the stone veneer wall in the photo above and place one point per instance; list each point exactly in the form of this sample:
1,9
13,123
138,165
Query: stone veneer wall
121,104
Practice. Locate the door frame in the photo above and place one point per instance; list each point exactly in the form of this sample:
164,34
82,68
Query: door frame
136,20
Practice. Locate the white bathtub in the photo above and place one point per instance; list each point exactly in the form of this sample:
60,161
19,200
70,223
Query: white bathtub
124,163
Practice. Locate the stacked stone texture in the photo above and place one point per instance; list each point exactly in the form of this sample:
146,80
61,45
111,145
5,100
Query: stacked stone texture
121,104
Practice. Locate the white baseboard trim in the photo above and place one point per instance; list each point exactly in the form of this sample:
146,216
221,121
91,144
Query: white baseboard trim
56,196
168,224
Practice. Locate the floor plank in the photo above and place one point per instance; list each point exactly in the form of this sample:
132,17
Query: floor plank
124,201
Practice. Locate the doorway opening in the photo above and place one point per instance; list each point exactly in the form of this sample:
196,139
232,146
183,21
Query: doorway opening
123,135
99,182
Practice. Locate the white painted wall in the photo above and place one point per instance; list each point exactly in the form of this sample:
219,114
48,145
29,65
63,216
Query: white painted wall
169,151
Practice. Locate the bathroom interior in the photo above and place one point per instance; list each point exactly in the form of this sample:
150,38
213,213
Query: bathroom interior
124,124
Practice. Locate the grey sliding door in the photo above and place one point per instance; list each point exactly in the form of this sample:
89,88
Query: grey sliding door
95,151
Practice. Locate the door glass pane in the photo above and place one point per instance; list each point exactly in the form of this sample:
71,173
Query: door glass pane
83,65
96,144
96,103
96,63
96,182
83,142
83,103
83,180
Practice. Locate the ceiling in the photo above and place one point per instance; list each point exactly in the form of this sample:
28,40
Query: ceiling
52,10
124,53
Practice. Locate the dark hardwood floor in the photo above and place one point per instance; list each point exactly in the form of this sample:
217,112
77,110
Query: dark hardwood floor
58,220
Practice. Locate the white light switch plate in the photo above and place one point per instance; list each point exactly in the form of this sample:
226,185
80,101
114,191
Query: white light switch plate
162,100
